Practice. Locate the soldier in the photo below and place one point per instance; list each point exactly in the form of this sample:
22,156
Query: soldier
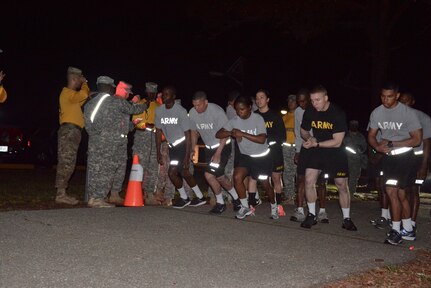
356,146
107,120
71,99
249,130
422,154
208,118
329,126
144,144
171,119
289,148
401,131
276,135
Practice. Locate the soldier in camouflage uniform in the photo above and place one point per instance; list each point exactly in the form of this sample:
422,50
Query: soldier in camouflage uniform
144,144
289,173
71,100
356,145
107,121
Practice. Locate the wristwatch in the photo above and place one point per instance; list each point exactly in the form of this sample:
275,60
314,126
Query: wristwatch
390,144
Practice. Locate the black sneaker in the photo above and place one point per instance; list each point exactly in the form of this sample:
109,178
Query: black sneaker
309,221
394,238
218,208
181,203
198,202
348,225
236,204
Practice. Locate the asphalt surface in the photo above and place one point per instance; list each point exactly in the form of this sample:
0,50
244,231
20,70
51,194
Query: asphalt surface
165,247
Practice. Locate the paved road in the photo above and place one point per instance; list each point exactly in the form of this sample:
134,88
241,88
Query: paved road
164,247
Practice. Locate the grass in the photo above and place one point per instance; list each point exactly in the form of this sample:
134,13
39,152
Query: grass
34,189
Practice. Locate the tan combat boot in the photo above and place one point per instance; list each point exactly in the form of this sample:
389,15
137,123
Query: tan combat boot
151,200
63,198
115,198
99,203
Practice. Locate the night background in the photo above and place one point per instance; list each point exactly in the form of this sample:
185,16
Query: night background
350,47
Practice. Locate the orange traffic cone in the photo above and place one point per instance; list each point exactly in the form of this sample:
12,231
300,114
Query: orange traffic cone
281,211
134,188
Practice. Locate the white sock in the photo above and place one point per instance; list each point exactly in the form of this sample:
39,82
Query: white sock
312,208
413,223
385,214
346,212
219,198
233,193
322,210
244,202
183,193
198,192
407,224
396,225
301,210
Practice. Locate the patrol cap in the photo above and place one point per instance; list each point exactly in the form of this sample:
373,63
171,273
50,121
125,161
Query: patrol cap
105,80
74,70
151,87
291,97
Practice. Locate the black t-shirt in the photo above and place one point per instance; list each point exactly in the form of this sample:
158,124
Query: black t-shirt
324,123
274,126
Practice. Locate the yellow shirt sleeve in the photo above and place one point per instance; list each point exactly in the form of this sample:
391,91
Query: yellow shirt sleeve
81,95
3,94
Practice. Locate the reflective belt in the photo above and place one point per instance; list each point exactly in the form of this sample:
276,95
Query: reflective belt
288,144
420,152
216,145
261,154
176,142
215,165
392,182
401,150
351,150
96,109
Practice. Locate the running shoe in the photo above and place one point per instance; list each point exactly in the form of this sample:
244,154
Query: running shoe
348,225
408,235
309,221
394,238
298,216
322,217
218,208
181,203
381,223
274,212
198,202
243,212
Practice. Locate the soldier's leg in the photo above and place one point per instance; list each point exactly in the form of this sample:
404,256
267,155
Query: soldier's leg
68,144
100,169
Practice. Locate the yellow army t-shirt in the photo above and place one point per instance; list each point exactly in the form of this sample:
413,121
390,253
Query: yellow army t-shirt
70,105
289,124
147,116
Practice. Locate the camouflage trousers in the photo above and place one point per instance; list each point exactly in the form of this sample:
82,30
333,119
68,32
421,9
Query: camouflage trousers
354,172
289,173
69,138
144,145
164,184
106,166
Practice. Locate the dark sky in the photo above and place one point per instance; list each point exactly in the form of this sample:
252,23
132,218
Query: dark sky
165,43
